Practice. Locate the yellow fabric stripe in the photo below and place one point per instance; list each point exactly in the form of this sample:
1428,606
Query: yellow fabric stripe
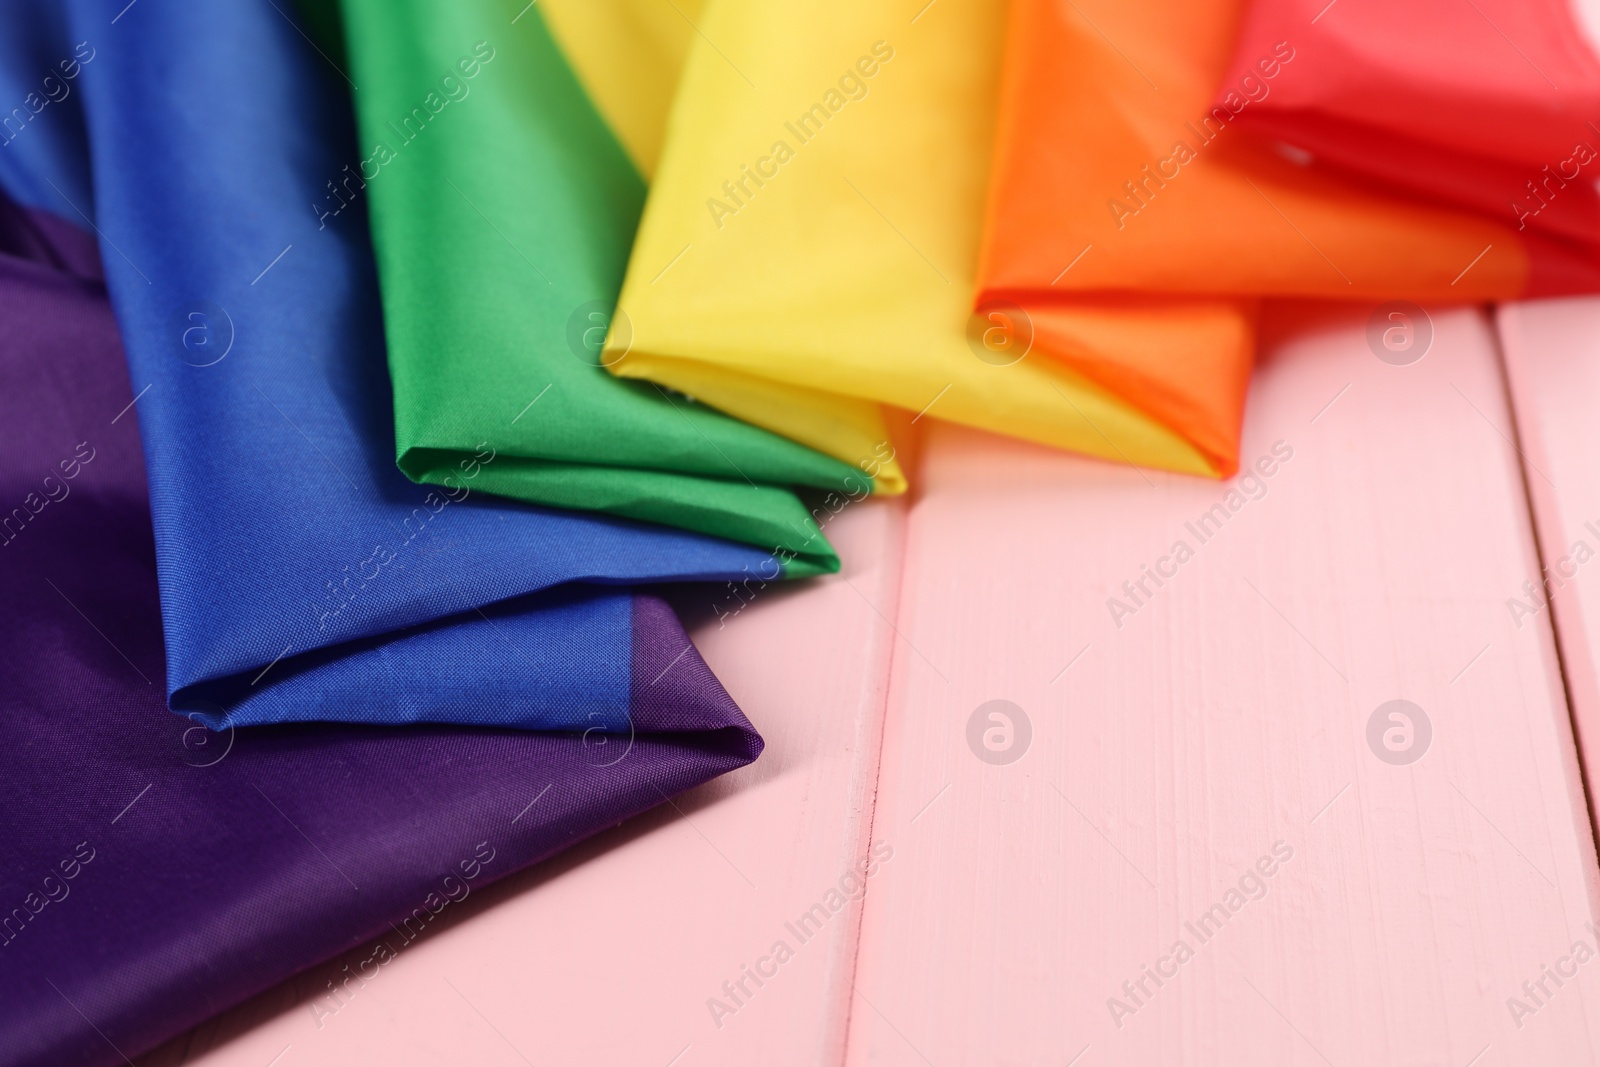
628,54
814,222
839,426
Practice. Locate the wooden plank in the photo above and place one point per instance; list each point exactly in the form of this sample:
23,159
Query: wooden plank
1227,713
1552,355
1223,726
611,953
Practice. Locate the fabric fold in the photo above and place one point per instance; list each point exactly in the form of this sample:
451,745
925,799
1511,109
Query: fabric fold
302,575
1124,149
153,873
503,208
1488,107
812,231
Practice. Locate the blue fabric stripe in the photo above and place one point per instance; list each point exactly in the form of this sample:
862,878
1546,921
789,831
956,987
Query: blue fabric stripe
282,525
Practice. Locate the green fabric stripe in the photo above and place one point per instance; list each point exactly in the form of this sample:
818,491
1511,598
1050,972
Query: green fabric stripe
502,211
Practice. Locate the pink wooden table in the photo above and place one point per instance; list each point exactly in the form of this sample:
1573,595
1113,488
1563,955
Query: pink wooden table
1552,352
1199,834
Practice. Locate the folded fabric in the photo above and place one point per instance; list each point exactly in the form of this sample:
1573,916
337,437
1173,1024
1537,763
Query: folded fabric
1124,204
153,873
629,56
302,575
502,210
1490,105
808,245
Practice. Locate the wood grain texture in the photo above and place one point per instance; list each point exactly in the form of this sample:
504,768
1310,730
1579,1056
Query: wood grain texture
1552,355
610,953
1175,744
1225,717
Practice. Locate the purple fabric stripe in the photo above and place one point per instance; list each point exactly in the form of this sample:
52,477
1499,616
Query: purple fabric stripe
153,873
41,237
673,689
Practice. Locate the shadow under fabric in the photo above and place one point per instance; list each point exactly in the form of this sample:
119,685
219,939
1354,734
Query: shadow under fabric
1137,222
503,208
153,873
302,575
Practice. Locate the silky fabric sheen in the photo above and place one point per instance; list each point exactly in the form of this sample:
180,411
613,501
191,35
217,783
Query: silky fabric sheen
302,575
1460,114
819,200
1133,163
503,208
629,55
153,873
